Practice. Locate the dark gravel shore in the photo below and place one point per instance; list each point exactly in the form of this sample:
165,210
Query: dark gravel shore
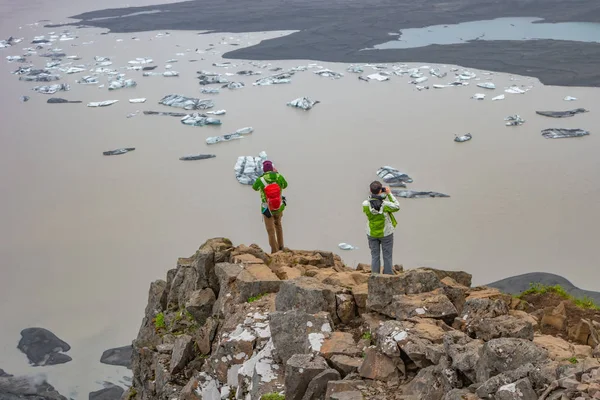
337,31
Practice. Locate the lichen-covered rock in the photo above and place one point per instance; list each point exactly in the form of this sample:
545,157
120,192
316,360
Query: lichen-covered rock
345,307
380,367
492,385
432,383
506,354
504,326
307,294
183,352
298,332
318,385
383,288
426,305
479,308
300,370
463,353
260,374
200,304
519,390
205,335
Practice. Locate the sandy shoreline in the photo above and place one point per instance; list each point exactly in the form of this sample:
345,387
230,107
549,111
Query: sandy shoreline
83,235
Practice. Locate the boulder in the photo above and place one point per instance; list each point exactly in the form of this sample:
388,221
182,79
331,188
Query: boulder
493,384
460,394
464,354
254,250
519,390
205,335
118,356
378,366
298,332
480,308
183,352
300,369
183,284
524,316
200,304
426,305
288,273
189,390
506,354
246,259
456,292
461,277
544,374
350,395
318,385
43,347
22,387
345,364
211,253
226,274
307,294
382,288
345,307
254,280
339,343
558,349
360,293
584,333
503,326
110,392
555,317
432,383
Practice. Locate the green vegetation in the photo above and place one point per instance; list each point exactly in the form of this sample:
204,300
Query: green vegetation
367,336
232,394
537,288
272,396
159,321
255,298
132,393
572,360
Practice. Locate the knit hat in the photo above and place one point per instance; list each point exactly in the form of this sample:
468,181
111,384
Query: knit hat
267,166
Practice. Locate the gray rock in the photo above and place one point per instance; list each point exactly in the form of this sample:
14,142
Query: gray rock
506,354
300,370
118,356
346,308
184,283
255,280
318,385
382,288
290,331
204,264
306,294
461,277
182,353
543,374
350,395
345,364
378,366
157,302
432,383
226,274
111,392
492,385
43,347
424,305
200,304
519,390
464,354
460,394
504,326
205,335
22,387
476,309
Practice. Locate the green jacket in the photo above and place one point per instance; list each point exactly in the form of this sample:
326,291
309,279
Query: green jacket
381,223
270,177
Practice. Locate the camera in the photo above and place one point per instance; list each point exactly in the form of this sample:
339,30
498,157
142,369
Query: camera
383,190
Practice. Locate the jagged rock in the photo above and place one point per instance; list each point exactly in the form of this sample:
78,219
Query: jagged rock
347,385
596,352
22,387
360,293
464,354
306,294
165,348
519,390
111,392
118,356
346,308
493,384
555,317
297,332
484,292
162,377
184,283
524,316
318,385
43,347
260,374
182,353
460,277
200,304
432,383
255,280
339,343
189,390
426,305
456,292
226,274
460,394
506,354
300,369
558,349
246,259
205,335
345,364
479,308
254,250
287,273
378,366
543,374
584,333
503,326
382,288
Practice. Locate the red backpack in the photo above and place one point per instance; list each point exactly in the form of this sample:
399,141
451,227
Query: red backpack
273,194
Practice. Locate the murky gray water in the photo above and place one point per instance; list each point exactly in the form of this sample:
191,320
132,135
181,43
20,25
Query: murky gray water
496,29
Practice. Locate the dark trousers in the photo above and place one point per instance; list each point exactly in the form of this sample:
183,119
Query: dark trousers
385,244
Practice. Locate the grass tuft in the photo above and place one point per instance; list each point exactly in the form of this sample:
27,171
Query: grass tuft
159,321
256,298
537,288
272,396
572,360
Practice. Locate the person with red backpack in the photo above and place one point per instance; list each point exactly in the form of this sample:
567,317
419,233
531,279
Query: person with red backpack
271,184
